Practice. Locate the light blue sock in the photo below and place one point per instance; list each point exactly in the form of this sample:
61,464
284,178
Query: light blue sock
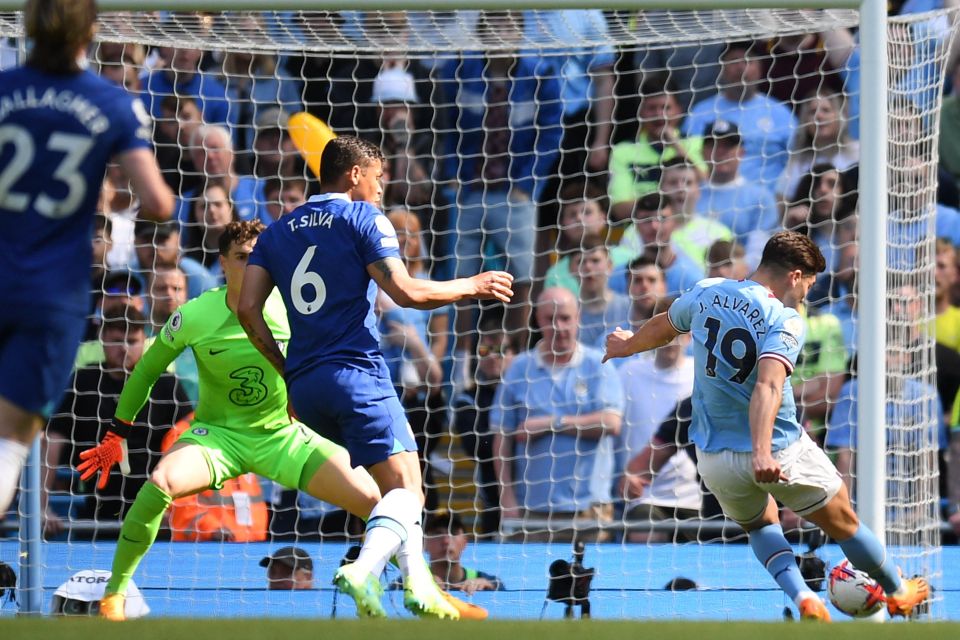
775,554
865,551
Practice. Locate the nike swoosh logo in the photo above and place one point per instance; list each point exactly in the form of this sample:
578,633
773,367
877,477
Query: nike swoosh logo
130,539
216,352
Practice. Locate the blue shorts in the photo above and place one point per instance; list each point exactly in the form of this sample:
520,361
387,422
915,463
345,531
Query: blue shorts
37,349
355,408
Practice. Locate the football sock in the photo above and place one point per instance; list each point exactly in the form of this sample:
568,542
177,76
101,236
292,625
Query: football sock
776,555
12,456
386,531
137,534
410,554
866,553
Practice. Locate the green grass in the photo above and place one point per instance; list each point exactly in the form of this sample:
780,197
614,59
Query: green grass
279,629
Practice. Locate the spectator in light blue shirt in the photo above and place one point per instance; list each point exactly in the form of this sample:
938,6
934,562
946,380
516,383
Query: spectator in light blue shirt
601,310
746,207
766,125
555,406
655,220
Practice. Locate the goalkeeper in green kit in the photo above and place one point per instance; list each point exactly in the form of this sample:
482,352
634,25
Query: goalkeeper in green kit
241,424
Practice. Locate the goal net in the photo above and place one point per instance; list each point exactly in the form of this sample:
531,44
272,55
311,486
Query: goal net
608,160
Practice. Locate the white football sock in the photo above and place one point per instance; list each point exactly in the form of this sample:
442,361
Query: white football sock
387,529
379,544
12,456
410,555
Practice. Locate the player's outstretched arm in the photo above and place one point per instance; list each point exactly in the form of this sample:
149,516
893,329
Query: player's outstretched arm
112,450
764,405
156,199
257,285
656,332
391,275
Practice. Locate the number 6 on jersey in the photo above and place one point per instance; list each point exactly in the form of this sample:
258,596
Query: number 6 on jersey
303,278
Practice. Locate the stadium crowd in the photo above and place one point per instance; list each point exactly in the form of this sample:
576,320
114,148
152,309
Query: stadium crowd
605,180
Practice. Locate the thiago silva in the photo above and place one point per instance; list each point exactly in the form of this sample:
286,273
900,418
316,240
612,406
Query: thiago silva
327,258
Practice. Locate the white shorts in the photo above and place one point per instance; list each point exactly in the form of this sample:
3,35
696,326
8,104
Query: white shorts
813,480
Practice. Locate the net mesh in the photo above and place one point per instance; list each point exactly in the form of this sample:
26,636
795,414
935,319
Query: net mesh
616,156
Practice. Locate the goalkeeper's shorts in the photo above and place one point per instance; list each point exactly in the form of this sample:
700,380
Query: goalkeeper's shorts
282,455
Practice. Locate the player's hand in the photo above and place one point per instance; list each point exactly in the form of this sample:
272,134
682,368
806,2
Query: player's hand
473,585
618,344
633,485
766,469
493,285
111,451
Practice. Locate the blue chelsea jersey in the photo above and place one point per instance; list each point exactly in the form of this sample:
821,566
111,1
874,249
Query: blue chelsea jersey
734,325
317,256
57,134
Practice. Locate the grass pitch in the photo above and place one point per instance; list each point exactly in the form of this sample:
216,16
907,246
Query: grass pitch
281,629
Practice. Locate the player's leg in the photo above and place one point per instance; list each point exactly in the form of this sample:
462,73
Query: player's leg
729,476
372,425
816,492
336,482
299,458
18,428
867,553
188,467
37,348
776,555
399,478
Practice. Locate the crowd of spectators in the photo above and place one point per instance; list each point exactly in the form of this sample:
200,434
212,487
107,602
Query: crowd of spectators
606,179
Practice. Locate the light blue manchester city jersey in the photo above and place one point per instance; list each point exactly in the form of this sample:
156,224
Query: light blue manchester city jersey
734,324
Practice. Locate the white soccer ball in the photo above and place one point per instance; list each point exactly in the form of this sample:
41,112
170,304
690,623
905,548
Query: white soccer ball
854,592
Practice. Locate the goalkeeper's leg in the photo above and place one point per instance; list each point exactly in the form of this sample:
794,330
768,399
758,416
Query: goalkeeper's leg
182,471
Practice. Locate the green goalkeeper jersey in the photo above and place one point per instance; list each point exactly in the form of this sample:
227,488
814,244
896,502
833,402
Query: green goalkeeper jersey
238,386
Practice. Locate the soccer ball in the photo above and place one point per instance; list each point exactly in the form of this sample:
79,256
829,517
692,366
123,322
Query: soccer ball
854,592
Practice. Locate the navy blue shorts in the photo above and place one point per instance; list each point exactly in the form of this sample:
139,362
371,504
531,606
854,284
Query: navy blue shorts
37,348
357,409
